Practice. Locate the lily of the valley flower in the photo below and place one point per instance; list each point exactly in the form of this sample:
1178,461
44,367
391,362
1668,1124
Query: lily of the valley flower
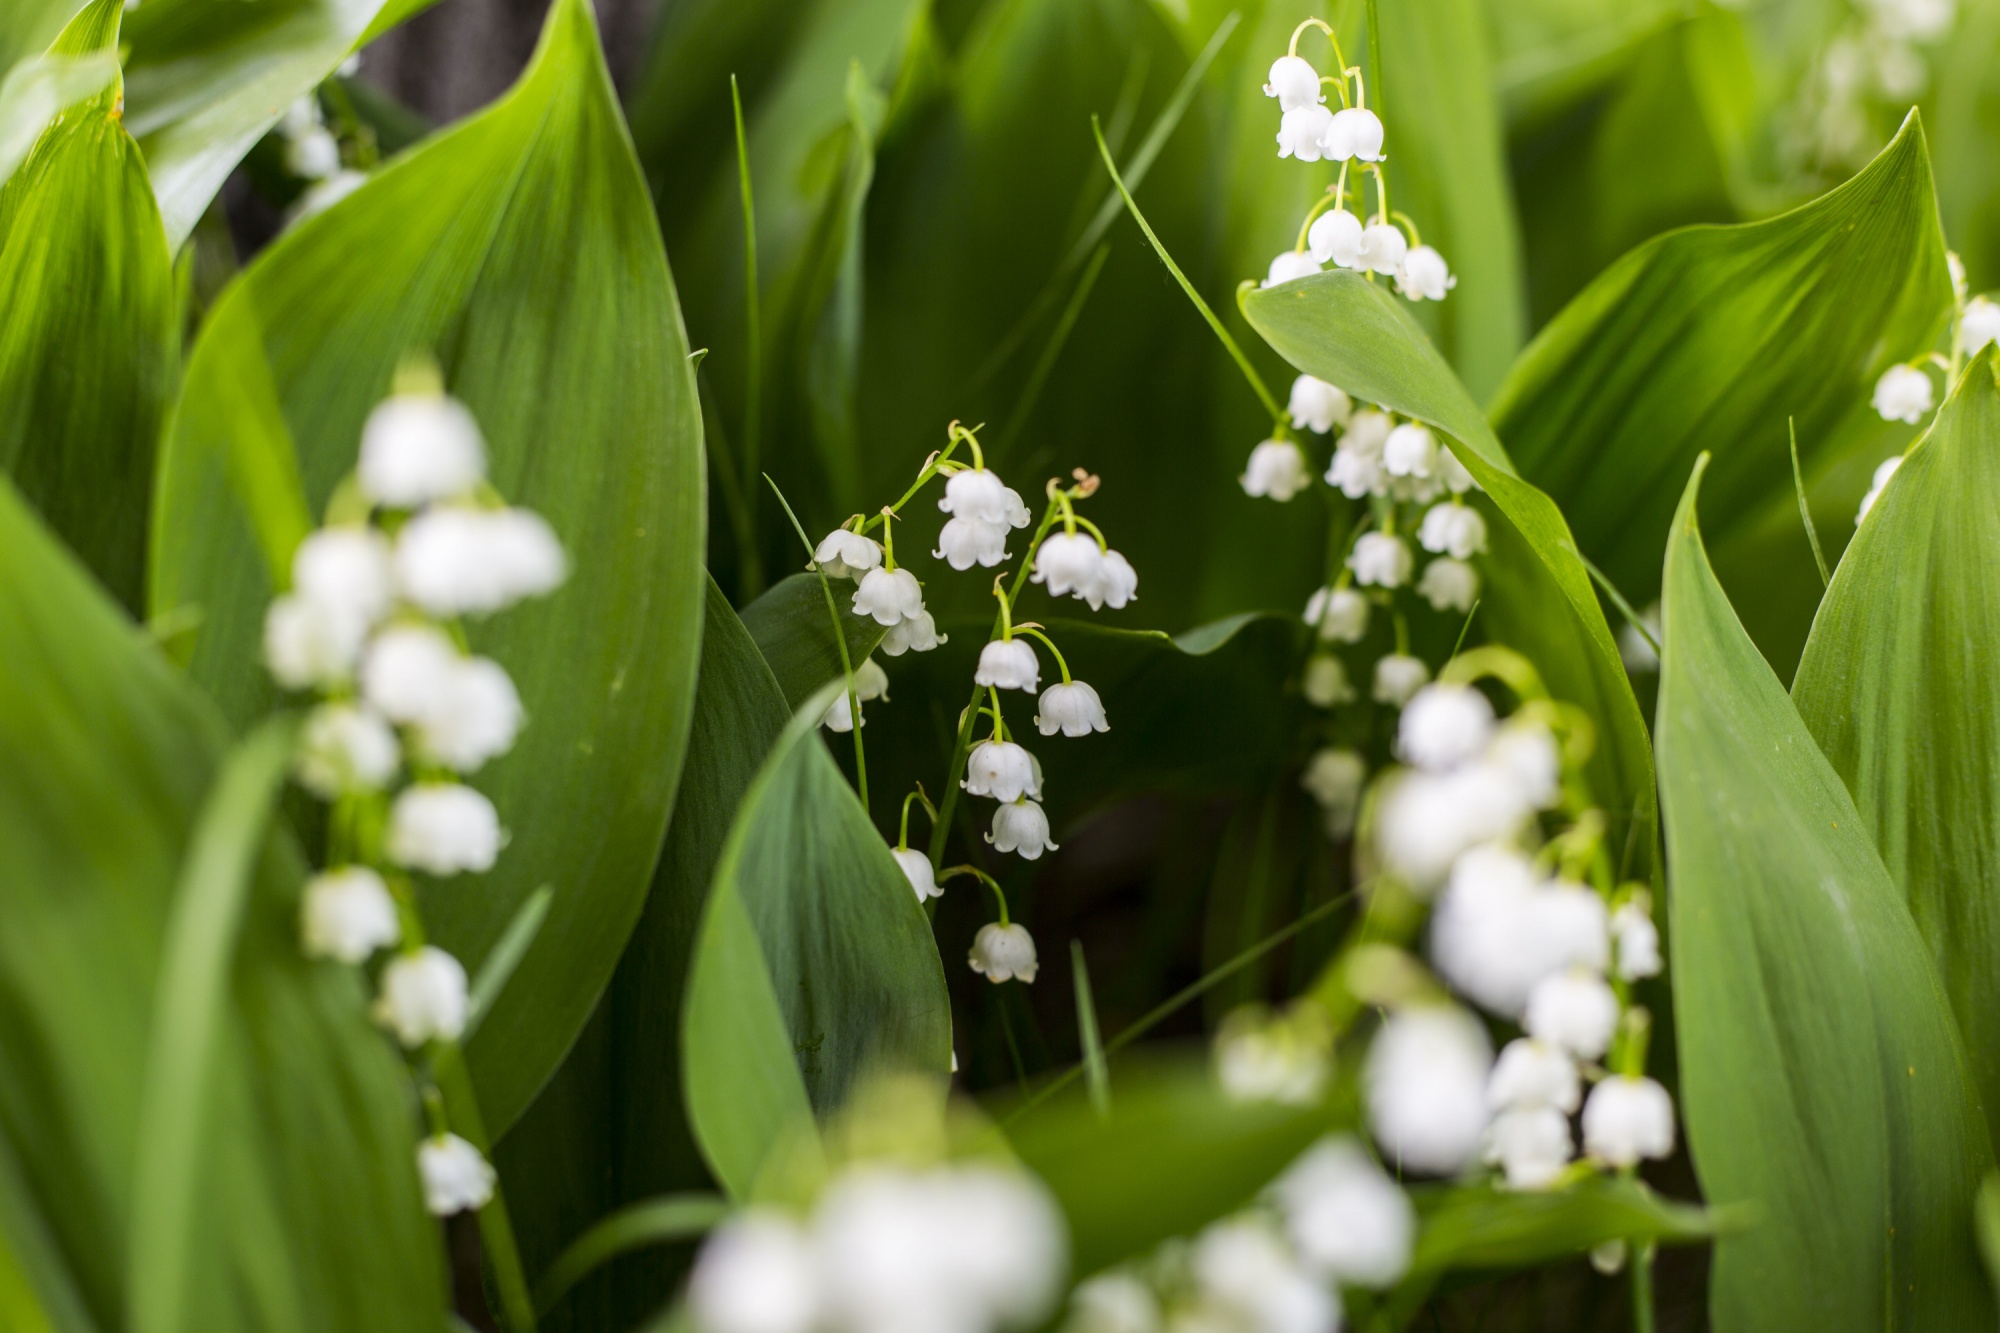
915,635
1380,559
443,828
1340,614
1318,406
1903,394
1335,238
345,748
1072,708
1334,776
456,1177
1449,585
1456,530
1290,264
1883,471
1425,276
1348,1220
890,596
420,447
1009,664
1302,132
1294,82
1354,133
1002,770
423,997
1325,684
346,915
1426,1088
917,869
1004,953
1021,827
1397,677
844,554
1626,1119
452,560
1575,1010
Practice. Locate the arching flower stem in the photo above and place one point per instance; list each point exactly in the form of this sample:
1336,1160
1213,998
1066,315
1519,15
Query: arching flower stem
999,894
1034,630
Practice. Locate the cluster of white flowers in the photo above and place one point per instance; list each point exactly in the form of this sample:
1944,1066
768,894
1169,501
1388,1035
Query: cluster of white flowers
1876,60
960,1248
370,629
1905,393
1333,1220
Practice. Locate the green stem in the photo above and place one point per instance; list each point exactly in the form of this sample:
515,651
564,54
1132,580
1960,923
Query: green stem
1805,510
839,641
999,894
1055,651
496,1229
1642,1288
903,834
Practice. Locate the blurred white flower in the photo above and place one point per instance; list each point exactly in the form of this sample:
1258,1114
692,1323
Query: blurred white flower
1626,1118
1325,684
1243,1265
1449,585
1282,1059
1335,237
839,715
1425,275
1290,264
1008,664
313,156
1524,749
1903,394
757,1273
307,643
1294,82
1277,469
420,447
473,719
1411,451
1533,1073
846,554
1912,20
1979,325
1354,132
1335,776
1883,471
1302,132
1426,1088
1383,248
1347,1218
1531,1144
407,670
870,680
344,748
891,596
1397,677
1021,827
1443,726
1453,473
1072,708
456,1177
1002,953
1341,614
1002,770
423,997
1456,530
1638,940
347,914
1318,406
1499,931
443,828
1113,1303
1380,560
1428,819
345,569
451,560
917,869
917,634
1356,472
1573,1009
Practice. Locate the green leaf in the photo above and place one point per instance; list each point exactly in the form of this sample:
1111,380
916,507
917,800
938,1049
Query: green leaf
305,1183
795,634
1822,1077
1708,339
28,26
814,964
89,339
1898,684
35,89
1537,597
205,81
520,248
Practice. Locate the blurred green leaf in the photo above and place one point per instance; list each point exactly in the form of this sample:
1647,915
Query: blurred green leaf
306,1191
1968,128
795,634
1898,686
1822,1077
89,344
1708,339
35,89
28,26
811,938
1352,332
1483,1226
652,1222
520,248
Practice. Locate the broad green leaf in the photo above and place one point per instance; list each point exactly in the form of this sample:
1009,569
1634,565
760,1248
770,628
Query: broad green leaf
1708,339
205,81
518,247
794,632
1537,597
1898,686
28,26
305,1184
89,340
35,89
1968,126
611,1128
1822,1077
814,962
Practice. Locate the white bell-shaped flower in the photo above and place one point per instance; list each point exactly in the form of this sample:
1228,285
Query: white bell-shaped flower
346,569
456,1177
1334,776
1004,953
1637,940
870,680
1354,133
1277,470
1426,1088
1340,614
839,715
965,542
1325,683
1318,406
1243,1266
408,669
1443,726
1903,394
1002,770
1534,1073
1410,451
1113,1302
1573,1009
1260,1057
451,560
1294,82
1979,325
1626,1119
1368,431
1302,132
1498,932
977,493
1531,1144
1429,819
1383,249
844,554
1008,664
313,156
1116,584
1397,677
420,447
915,635
1068,563
344,748
1449,585
1380,560
757,1273
1883,471
423,997
1348,1220
1356,473
1290,264
917,869
1453,473
1456,530
473,719
1072,708
1021,827
890,596
1425,276
307,643
443,828
347,914
1335,238
1525,750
